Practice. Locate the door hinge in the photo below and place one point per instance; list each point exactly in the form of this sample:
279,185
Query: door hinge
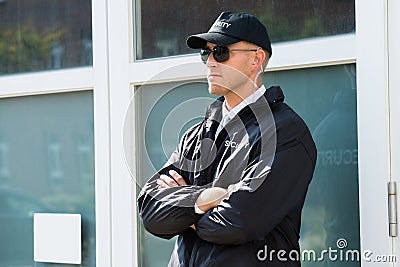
392,201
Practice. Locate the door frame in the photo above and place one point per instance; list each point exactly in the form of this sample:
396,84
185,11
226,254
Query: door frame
393,22
375,126
378,113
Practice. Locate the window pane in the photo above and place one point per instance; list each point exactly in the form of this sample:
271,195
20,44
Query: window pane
326,100
165,111
324,97
46,165
160,34
44,34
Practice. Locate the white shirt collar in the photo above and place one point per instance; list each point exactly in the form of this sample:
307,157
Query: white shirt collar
228,115
247,101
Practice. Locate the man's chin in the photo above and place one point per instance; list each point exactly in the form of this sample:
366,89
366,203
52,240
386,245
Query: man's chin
217,89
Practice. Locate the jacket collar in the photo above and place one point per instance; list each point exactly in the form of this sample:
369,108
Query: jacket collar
273,95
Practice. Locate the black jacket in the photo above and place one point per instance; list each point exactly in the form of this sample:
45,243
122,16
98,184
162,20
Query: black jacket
268,157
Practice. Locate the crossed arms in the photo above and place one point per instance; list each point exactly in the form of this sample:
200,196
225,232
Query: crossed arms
208,199
166,203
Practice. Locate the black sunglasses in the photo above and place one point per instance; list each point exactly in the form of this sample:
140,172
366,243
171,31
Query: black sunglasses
220,53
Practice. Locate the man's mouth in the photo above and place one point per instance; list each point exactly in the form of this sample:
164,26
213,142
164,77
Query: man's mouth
213,75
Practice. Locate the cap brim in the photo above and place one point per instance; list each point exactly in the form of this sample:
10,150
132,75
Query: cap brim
198,41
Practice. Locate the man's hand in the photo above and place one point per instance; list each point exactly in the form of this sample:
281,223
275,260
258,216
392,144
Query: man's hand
208,199
211,197
175,180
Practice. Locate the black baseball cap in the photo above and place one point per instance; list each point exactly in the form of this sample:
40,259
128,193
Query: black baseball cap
232,27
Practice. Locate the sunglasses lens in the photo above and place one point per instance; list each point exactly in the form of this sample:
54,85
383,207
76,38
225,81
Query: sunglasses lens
205,54
221,53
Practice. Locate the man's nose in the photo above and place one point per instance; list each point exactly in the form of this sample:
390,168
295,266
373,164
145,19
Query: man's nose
211,62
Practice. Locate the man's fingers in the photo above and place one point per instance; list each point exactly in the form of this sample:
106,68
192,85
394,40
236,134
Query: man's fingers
177,177
161,183
167,181
175,180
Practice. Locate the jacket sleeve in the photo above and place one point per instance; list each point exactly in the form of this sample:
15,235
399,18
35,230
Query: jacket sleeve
167,212
250,215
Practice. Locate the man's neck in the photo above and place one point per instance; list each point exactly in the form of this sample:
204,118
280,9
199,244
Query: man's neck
231,102
234,98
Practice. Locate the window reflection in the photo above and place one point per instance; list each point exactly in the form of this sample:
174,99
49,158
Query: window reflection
85,156
159,34
46,146
54,159
326,99
157,103
44,34
4,167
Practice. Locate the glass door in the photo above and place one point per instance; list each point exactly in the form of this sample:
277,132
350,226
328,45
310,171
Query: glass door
325,97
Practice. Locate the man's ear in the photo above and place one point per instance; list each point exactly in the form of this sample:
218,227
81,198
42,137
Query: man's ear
259,59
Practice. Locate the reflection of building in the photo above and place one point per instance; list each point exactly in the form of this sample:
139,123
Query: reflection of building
46,165
336,173
61,28
42,152
302,21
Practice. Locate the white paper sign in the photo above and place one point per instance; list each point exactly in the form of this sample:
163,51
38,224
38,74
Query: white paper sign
57,238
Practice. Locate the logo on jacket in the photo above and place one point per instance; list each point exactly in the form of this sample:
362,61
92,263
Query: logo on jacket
233,144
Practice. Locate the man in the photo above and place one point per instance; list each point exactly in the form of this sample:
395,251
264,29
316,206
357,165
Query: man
234,189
